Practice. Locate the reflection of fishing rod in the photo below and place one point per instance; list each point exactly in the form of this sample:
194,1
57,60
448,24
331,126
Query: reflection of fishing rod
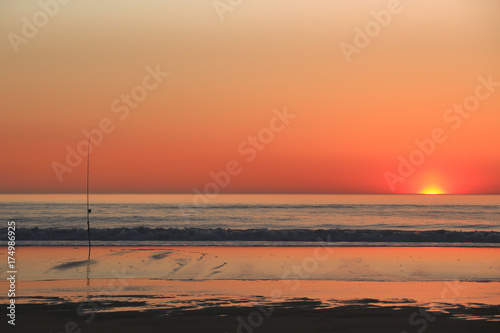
88,173
88,277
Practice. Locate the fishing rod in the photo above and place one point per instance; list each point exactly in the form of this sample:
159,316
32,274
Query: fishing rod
88,176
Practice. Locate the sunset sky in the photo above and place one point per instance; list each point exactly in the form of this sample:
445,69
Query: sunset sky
352,120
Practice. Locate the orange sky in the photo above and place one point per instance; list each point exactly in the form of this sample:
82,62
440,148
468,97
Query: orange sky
352,120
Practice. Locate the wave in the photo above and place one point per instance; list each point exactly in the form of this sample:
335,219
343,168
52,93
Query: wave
271,235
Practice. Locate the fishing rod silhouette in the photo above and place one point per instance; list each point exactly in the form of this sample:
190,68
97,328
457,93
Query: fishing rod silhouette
88,178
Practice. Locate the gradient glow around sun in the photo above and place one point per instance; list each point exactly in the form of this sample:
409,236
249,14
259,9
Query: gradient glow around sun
432,189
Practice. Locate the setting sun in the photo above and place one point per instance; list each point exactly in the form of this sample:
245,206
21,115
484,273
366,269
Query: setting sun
432,190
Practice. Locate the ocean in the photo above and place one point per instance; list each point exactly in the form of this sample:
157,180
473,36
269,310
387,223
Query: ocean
315,259
257,220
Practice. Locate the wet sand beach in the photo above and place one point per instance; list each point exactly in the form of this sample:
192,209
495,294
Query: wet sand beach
257,289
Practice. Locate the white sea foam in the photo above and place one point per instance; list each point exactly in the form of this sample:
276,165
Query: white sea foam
262,235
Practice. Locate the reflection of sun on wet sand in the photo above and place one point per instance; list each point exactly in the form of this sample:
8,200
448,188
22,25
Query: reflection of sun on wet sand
183,288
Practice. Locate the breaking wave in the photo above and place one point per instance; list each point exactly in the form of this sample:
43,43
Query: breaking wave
270,235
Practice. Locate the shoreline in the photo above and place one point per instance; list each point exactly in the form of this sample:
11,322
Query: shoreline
252,319
190,288
260,263
287,244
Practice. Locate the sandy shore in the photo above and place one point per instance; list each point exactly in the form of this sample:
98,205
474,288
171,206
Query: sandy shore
349,319
262,289
260,263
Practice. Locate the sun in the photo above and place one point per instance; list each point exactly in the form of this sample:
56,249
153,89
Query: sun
432,189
